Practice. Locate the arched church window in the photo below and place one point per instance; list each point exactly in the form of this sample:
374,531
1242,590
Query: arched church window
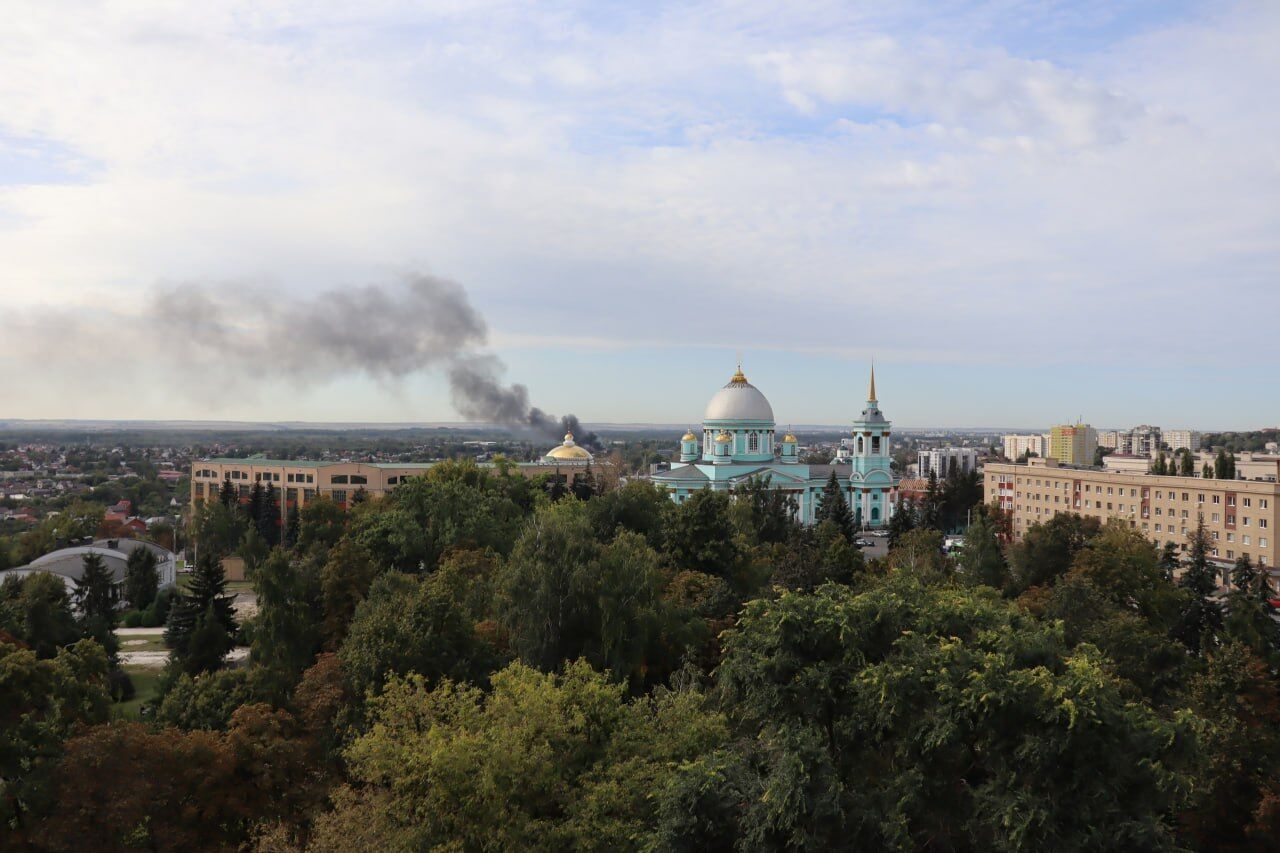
875,513
859,444
753,442
875,444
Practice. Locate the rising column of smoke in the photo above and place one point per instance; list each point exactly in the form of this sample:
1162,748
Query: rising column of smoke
387,333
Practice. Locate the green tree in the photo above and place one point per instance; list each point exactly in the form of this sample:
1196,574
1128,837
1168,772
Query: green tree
564,595
42,702
206,590
1047,550
817,555
348,573
919,554
322,523
1207,471
639,506
456,505
1160,466
292,527
902,522
1169,560
286,632
414,624
982,560
908,716
267,519
216,529
930,515
37,610
206,701
556,762
95,597
253,509
1243,575
834,508
227,495
206,646
141,578
763,514
700,536
1202,614
1187,467
1237,695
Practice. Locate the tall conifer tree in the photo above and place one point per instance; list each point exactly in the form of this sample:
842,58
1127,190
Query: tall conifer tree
834,508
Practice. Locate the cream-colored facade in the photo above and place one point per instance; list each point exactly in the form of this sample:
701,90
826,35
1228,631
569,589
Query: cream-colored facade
299,481
1073,445
1016,446
1240,516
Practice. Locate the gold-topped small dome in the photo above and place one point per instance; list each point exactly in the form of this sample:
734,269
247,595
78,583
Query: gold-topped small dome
723,437
568,451
788,439
738,378
689,436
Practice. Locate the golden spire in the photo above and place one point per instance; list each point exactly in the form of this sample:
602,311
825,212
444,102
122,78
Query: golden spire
739,377
871,395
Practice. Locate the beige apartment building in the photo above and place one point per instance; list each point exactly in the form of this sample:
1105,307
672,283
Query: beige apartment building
298,481
1241,516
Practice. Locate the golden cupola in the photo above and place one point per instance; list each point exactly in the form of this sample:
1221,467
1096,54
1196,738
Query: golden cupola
568,452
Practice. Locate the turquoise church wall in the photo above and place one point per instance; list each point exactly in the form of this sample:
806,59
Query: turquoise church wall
738,442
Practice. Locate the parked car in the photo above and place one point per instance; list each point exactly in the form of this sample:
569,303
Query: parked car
864,543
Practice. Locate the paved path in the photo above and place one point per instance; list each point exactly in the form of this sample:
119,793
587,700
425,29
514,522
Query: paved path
157,658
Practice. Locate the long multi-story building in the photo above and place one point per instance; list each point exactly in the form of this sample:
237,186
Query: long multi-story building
1073,444
943,461
1241,516
298,481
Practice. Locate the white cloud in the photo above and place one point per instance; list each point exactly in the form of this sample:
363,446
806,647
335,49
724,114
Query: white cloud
817,177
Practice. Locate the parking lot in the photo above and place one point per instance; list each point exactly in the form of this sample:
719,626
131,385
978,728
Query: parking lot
879,545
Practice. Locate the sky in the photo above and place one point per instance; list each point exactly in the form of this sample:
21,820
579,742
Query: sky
1024,212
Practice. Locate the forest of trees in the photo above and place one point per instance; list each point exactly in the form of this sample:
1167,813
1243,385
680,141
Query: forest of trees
479,662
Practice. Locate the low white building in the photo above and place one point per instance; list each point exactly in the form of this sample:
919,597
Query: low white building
68,563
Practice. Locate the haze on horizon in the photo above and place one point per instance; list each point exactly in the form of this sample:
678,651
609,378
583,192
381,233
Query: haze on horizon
1024,211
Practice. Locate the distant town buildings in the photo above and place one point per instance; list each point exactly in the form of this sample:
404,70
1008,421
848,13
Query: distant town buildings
943,461
1240,516
1073,444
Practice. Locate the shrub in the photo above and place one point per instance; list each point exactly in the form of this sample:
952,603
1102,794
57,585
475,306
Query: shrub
132,619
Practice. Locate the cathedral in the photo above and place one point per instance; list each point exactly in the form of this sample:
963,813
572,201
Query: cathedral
739,443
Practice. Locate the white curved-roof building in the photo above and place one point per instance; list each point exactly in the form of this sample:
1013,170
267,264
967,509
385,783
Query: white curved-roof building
68,563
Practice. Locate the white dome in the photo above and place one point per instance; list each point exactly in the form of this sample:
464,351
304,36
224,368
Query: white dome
739,401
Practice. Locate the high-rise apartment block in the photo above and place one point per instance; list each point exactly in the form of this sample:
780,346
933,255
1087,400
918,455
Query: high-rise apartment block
1017,446
1182,439
1073,444
944,461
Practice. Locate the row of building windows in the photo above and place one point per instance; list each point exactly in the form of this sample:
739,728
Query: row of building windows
1146,493
349,479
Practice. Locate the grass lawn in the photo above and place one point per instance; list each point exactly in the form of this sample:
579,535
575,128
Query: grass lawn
145,684
145,643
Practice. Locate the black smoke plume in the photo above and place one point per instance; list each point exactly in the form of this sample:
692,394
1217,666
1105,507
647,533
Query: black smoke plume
229,333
